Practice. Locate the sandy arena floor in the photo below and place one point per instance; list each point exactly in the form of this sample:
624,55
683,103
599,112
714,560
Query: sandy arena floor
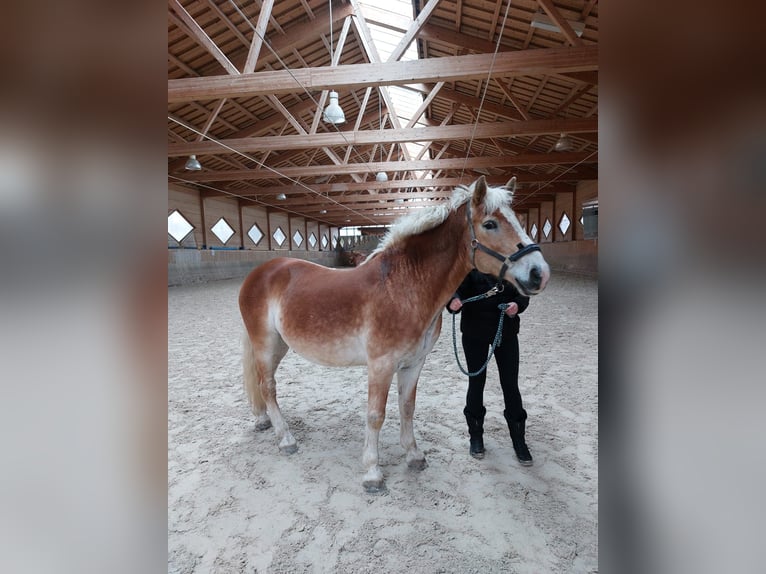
235,504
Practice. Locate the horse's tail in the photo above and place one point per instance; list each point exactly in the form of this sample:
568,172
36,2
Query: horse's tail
251,376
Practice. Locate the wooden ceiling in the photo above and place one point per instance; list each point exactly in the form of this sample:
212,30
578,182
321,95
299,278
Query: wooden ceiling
248,80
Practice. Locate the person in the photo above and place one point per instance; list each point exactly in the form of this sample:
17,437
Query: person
478,324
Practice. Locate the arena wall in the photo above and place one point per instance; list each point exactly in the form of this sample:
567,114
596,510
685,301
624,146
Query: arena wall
201,256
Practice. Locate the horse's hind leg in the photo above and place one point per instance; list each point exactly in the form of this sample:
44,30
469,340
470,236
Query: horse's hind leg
407,382
266,357
252,385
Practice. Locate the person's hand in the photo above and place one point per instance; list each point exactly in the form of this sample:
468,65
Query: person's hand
456,304
512,309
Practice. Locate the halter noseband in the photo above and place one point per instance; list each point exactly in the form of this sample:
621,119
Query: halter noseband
522,249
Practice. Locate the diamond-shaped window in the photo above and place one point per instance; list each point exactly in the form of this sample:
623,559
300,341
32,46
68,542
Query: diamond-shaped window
547,227
533,232
279,236
178,226
298,238
222,230
255,234
312,240
564,223
334,241
324,241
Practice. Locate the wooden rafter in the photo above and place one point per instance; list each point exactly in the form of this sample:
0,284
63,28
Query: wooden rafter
201,37
354,168
560,21
413,31
344,188
258,35
353,76
370,137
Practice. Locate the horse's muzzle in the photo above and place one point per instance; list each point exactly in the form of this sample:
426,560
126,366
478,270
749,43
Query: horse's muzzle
536,281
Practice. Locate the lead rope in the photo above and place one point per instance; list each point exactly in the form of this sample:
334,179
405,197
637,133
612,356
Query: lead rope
498,334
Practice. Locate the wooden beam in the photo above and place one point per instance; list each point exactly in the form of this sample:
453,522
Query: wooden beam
371,137
365,39
202,38
424,106
229,24
311,201
412,33
587,9
558,158
258,35
353,76
560,21
432,32
511,98
211,119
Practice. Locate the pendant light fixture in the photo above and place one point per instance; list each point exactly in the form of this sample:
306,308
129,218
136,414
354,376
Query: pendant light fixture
381,175
564,143
333,113
193,164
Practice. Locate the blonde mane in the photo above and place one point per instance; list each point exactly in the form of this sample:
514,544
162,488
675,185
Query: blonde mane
422,220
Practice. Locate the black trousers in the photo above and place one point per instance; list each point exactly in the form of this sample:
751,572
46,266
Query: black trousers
507,360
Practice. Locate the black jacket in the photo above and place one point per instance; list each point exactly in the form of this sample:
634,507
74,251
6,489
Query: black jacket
479,318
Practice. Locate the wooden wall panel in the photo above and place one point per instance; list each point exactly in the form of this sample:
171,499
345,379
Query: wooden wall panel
533,220
546,215
298,224
564,204
186,201
256,216
324,237
215,209
312,228
279,220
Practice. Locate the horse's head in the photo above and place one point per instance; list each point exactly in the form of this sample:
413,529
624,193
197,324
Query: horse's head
499,244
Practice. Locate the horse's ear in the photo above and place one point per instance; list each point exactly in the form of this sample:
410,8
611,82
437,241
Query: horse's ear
511,185
479,191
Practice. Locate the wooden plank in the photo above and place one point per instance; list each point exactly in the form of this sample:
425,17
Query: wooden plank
202,38
412,33
371,137
258,35
556,158
449,68
560,21
478,45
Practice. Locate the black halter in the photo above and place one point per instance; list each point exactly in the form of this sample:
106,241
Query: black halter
522,249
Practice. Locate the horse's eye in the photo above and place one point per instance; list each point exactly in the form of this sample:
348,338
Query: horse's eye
489,224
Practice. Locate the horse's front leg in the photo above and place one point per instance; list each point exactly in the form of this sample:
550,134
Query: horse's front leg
407,381
379,381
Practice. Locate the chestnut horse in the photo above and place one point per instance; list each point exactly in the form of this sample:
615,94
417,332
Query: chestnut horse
385,313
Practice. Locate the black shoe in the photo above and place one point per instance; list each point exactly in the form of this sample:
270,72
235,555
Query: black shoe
516,429
522,452
477,447
476,431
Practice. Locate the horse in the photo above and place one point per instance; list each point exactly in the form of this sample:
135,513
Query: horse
386,313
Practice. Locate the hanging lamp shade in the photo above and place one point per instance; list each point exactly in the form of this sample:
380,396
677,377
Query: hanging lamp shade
193,164
381,176
564,143
333,114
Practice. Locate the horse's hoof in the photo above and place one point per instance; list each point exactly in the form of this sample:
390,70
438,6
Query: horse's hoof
289,449
374,486
263,425
417,464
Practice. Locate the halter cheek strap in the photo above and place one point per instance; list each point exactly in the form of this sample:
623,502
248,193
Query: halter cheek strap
522,249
